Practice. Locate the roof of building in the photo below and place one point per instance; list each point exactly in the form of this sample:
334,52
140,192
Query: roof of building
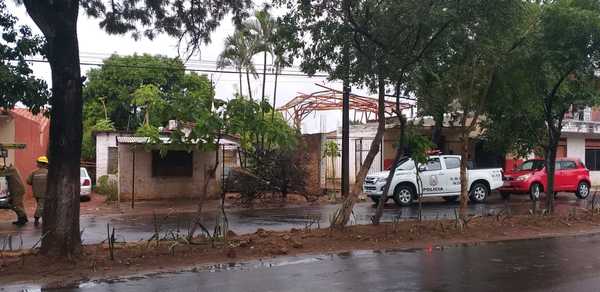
25,113
115,132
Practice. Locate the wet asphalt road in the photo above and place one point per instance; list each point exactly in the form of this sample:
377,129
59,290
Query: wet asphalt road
556,264
141,227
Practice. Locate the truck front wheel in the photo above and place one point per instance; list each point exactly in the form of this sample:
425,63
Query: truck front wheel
478,193
403,196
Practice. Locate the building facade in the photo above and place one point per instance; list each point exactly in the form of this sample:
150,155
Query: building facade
107,152
581,139
144,173
21,126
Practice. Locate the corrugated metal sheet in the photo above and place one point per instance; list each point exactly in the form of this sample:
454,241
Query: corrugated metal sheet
165,140
132,140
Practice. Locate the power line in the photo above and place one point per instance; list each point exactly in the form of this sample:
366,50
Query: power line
186,69
101,56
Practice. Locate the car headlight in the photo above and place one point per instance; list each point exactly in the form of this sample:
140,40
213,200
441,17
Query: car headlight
382,179
523,177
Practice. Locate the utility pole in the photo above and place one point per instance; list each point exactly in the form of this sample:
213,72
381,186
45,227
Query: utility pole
346,124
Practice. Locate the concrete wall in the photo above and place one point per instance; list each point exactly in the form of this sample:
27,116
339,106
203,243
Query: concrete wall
311,153
20,126
103,141
576,147
157,188
452,143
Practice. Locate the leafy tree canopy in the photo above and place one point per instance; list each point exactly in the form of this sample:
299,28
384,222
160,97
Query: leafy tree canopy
553,70
17,83
141,93
113,85
198,115
190,21
243,119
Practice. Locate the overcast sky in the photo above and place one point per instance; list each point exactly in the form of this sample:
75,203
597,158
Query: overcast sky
95,45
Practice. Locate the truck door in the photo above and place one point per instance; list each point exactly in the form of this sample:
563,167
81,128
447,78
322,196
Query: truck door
451,177
432,177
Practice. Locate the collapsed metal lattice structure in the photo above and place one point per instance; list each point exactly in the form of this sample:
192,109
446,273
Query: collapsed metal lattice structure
365,108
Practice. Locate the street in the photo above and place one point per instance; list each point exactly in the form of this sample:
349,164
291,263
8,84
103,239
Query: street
555,264
141,226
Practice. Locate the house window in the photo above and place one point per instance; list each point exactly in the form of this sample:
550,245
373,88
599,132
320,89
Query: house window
592,159
173,164
592,154
113,160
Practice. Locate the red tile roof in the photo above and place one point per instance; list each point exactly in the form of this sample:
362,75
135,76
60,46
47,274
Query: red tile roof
25,113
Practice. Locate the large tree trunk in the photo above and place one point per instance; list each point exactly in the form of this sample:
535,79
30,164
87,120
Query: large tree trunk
399,153
386,189
343,215
550,158
58,22
464,180
436,135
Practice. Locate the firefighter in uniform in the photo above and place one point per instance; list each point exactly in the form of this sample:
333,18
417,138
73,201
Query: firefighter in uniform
37,180
17,191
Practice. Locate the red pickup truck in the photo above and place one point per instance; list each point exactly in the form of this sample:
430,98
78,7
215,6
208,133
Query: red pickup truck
571,175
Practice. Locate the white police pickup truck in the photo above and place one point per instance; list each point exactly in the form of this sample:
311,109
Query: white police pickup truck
439,177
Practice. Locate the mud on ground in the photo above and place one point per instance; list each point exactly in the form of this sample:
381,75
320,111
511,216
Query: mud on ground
170,255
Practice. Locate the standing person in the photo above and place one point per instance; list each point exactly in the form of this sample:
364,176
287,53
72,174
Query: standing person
16,190
37,180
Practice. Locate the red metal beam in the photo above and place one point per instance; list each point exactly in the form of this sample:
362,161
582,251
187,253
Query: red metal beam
329,99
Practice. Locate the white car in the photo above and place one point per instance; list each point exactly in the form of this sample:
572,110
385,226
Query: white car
439,177
85,183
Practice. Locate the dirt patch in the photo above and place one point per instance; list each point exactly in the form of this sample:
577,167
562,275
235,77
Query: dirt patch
275,200
156,256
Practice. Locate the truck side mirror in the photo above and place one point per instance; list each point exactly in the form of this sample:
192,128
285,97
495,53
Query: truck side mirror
422,167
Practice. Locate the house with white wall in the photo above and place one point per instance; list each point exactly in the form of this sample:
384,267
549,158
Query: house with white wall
581,139
147,173
107,152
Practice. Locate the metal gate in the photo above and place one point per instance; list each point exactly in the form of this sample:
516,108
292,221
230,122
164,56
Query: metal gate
359,148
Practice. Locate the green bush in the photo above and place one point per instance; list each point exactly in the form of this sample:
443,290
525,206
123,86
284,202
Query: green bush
107,187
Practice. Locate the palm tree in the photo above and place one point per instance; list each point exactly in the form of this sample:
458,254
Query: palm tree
280,61
262,27
238,52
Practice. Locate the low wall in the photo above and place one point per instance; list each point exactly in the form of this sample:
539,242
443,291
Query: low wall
311,152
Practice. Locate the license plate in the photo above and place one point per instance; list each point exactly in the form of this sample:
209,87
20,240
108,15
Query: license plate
506,184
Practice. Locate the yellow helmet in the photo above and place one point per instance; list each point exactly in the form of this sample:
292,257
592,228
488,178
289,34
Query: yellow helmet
42,159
